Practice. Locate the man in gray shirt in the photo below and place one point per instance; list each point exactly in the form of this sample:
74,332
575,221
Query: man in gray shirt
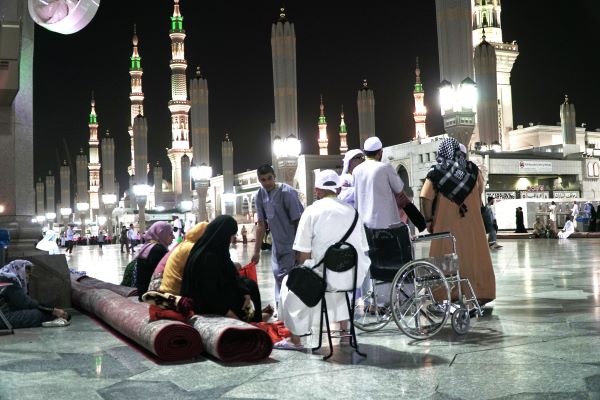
278,205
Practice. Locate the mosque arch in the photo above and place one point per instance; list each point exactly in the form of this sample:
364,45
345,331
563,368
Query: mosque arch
403,173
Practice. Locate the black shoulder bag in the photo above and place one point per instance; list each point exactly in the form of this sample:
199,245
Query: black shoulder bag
307,284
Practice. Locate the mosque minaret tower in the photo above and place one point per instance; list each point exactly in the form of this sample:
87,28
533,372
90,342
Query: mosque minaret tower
323,141
136,96
94,160
420,113
366,112
283,48
199,116
179,104
343,134
486,16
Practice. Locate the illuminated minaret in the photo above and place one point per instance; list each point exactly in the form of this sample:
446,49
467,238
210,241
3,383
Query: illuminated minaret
323,141
40,209
108,165
136,96
366,112
179,104
81,164
486,22
65,185
283,51
199,117
50,194
94,161
343,134
420,113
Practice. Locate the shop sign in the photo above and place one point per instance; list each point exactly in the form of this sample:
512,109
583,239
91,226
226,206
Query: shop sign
503,195
535,166
566,194
535,195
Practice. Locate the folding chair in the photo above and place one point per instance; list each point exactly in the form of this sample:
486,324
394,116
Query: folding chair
9,329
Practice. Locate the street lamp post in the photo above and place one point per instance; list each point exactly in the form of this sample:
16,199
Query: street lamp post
201,175
109,201
458,106
141,195
83,208
287,151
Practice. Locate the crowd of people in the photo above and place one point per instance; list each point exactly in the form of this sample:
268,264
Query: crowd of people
199,271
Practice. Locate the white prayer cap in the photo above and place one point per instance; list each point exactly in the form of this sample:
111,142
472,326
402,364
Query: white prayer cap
372,144
327,180
349,156
463,148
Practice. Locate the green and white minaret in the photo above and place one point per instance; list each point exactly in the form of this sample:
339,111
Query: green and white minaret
343,134
136,96
323,141
94,160
179,104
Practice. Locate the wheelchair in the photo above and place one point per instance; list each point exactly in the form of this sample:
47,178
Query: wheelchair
420,297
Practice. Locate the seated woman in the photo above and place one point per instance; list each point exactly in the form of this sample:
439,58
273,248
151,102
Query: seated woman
158,238
211,279
20,310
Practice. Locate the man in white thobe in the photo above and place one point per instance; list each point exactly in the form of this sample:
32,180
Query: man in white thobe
568,229
322,224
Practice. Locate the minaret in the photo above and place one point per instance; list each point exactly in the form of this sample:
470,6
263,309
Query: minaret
420,113
94,161
140,136
366,112
567,121
487,99
158,178
323,141
179,104
227,160
199,116
50,194
343,134
486,16
455,46
108,164
283,50
136,96
81,165
65,186
40,209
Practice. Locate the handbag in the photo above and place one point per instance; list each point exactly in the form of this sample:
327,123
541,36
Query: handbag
309,286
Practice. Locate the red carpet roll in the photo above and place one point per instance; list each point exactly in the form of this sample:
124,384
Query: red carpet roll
232,340
124,291
169,340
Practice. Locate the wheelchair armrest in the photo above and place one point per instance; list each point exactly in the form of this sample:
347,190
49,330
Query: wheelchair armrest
433,236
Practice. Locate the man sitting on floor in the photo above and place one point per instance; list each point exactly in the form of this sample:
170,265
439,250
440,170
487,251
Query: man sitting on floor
322,224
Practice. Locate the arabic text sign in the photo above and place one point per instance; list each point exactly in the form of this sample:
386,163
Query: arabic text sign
535,166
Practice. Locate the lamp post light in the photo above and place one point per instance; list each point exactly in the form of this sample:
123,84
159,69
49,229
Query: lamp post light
201,175
141,195
109,201
50,216
287,151
458,106
83,208
65,213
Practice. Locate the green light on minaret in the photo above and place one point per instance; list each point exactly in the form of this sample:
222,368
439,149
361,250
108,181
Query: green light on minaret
177,23
136,63
322,120
93,119
343,125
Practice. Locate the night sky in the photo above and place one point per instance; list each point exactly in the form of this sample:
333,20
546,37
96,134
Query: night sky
338,45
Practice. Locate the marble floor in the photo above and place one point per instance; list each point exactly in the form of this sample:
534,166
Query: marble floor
541,340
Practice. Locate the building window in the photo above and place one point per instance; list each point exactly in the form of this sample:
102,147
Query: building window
596,169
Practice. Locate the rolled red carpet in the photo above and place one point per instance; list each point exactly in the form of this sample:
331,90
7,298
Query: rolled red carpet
232,340
124,291
169,340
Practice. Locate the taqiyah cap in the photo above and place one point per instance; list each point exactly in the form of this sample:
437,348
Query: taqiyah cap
327,179
373,144
349,156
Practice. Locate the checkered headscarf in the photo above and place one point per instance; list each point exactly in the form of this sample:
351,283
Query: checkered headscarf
453,176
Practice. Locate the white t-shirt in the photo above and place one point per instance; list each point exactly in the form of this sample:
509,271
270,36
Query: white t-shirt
324,223
375,184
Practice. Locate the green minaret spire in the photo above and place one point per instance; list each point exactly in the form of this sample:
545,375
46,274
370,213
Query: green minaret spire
176,19
418,84
93,116
136,60
342,123
322,119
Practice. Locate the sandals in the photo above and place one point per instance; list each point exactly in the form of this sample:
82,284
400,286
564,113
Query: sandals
287,345
56,323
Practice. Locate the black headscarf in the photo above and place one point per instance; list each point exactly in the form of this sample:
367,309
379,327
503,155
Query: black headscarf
215,244
453,176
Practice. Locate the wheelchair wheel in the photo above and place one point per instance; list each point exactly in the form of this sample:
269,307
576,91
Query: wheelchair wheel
368,316
420,299
461,321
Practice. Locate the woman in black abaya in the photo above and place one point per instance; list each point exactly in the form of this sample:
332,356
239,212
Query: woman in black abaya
211,279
